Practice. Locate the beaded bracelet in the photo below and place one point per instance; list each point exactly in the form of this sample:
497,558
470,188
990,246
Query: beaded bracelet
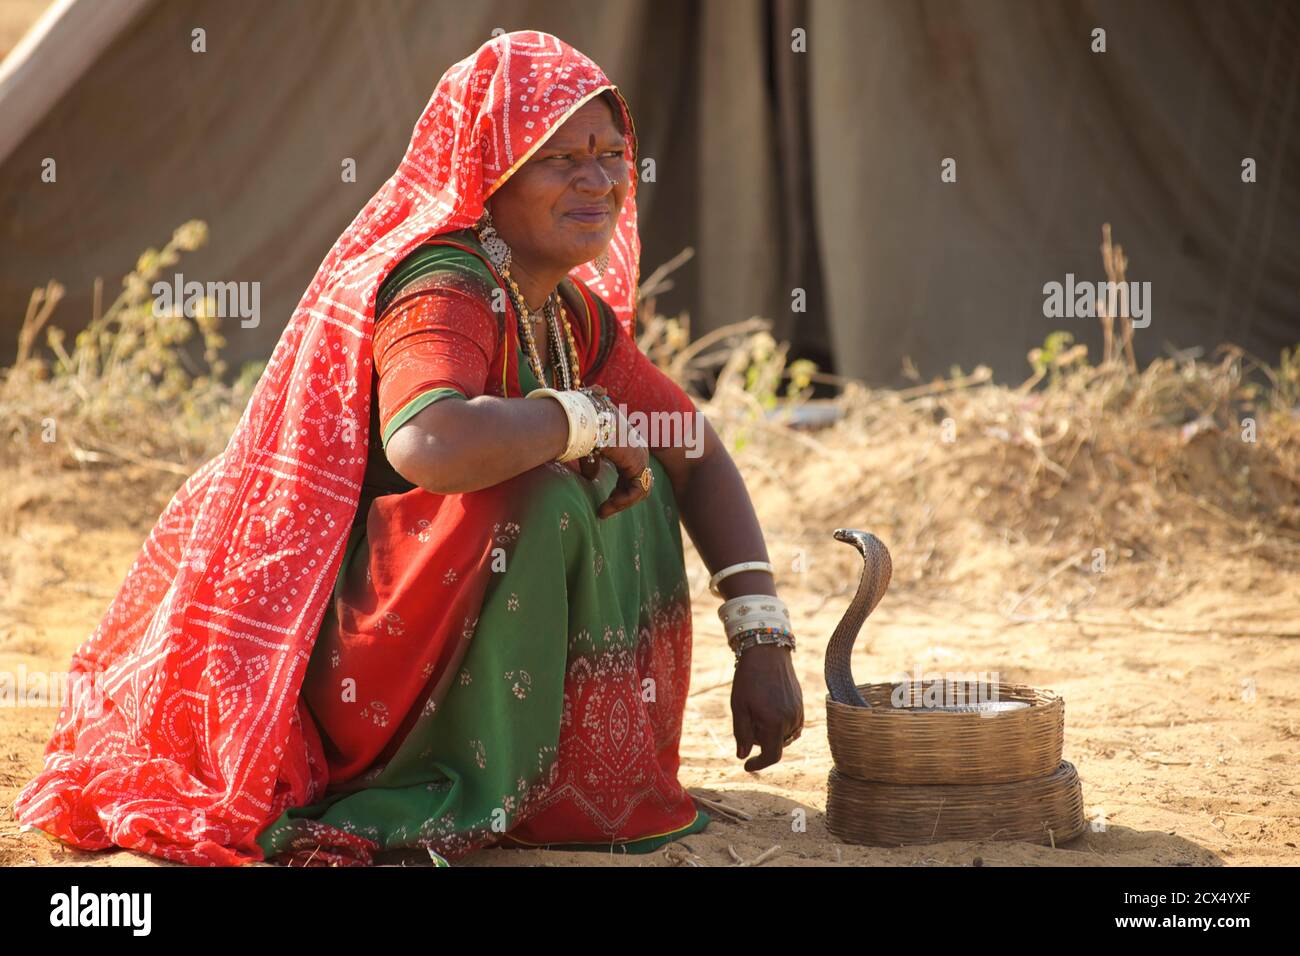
761,635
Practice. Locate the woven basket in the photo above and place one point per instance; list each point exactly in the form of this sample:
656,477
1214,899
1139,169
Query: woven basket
1044,810
888,744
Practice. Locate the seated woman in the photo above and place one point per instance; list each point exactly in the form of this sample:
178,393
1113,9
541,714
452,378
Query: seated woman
503,655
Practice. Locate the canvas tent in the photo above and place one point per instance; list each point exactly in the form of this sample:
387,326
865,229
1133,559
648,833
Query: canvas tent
814,169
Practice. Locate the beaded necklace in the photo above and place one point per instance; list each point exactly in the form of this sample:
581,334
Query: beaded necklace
556,316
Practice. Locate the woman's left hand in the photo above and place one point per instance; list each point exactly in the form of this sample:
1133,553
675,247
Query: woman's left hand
630,458
766,704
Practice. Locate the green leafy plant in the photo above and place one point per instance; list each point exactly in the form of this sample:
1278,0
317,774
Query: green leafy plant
1057,354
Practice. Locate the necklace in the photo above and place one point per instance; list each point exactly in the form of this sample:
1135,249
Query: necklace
558,358
556,316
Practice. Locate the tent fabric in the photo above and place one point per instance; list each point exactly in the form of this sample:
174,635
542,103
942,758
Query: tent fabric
1051,141
784,170
70,35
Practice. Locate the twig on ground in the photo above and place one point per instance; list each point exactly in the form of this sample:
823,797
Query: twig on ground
732,813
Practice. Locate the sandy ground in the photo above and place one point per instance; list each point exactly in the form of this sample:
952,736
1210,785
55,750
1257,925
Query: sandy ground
1186,741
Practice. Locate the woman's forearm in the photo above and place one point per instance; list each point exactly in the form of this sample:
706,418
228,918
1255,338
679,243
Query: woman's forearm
455,446
719,516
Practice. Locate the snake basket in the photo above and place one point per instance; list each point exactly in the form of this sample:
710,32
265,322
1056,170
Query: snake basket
887,743
1042,810
927,761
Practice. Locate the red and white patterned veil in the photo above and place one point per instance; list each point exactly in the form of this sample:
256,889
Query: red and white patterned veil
193,739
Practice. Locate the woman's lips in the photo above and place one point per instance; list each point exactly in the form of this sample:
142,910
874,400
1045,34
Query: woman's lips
591,214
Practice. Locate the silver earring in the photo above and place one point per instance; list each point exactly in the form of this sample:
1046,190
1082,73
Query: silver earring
496,248
601,262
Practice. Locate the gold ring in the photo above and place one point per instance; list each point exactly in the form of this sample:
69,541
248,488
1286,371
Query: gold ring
646,478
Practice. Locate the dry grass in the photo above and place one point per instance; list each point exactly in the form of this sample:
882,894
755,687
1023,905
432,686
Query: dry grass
130,387
996,491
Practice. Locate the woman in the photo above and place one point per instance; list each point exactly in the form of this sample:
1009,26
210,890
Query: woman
467,623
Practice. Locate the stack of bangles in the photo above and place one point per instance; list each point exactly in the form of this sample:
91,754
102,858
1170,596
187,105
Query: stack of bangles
591,416
593,421
752,619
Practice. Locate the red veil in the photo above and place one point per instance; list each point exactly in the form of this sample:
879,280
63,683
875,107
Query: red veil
194,739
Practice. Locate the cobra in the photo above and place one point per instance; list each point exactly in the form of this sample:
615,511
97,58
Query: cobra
877,569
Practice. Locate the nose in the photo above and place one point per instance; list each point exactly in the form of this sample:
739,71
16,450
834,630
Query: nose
591,178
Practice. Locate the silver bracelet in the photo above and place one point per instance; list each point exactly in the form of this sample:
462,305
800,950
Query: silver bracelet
736,569
606,415
753,640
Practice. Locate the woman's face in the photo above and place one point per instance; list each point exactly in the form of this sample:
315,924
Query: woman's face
559,209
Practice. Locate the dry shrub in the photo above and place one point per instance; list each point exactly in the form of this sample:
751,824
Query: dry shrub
993,492
128,389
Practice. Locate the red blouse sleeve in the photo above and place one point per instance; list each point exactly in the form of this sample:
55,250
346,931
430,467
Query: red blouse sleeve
633,380
437,339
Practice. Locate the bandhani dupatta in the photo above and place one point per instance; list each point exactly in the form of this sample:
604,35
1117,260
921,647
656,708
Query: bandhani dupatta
193,737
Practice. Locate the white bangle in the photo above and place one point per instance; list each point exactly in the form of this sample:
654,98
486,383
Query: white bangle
751,611
583,420
736,569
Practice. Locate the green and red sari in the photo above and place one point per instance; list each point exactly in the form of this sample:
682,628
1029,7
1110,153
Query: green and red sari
501,666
